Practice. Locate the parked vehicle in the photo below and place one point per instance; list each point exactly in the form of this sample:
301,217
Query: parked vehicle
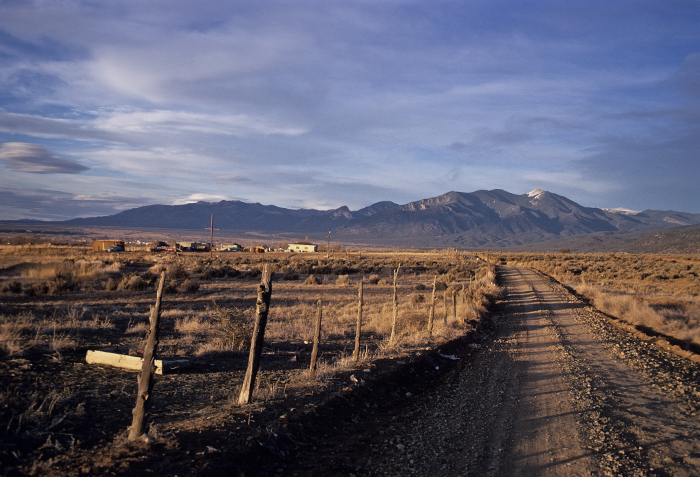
159,246
114,248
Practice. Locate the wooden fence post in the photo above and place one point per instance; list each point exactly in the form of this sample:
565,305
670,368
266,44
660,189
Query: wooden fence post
396,307
454,305
317,336
258,338
444,302
464,304
148,369
431,317
358,329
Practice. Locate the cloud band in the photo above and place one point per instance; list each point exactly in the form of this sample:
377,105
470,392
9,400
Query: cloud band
36,159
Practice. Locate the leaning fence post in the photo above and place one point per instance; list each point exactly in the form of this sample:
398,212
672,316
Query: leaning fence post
258,338
431,317
317,337
358,329
143,398
396,307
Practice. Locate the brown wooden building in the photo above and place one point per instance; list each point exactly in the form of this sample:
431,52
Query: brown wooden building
101,245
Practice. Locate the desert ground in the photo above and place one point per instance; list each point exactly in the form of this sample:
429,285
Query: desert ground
63,415
550,364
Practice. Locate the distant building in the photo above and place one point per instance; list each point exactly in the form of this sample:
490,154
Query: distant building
101,245
193,246
257,249
231,247
303,247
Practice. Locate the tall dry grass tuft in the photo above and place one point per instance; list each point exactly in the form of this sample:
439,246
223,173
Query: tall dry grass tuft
137,328
232,330
379,318
23,332
269,391
60,341
193,324
158,268
12,331
325,371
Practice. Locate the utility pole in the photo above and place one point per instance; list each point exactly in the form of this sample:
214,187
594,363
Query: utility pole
211,239
328,248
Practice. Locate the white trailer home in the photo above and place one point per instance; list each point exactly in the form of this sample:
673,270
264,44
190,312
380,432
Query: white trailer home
303,247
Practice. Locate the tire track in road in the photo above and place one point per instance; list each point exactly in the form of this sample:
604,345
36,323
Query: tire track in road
546,438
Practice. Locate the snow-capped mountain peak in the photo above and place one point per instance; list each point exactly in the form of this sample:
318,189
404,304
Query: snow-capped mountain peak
622,211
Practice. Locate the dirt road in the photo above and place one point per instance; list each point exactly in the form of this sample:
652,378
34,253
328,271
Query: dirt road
556,390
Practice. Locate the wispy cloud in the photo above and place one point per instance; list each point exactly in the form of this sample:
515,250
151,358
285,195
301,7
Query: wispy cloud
351,103
36,159
167,163
177,122
50,204
687,78
47,127
230,178
200,197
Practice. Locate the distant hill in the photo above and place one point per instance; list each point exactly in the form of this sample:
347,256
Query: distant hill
683,240
233,215
493,218
679,240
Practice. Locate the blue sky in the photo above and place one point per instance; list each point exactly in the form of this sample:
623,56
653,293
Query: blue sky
112,105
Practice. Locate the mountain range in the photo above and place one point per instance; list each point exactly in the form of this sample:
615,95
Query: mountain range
494,218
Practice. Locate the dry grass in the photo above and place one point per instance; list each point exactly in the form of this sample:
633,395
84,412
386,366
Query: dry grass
326,370
661,292
112,293
227,329
266,391
140,327
193,324
292,320
25,332
60,341
13,340
77,268
51,274
36,416
106,306
674,318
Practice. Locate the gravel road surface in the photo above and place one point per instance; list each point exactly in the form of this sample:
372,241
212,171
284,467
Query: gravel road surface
555,390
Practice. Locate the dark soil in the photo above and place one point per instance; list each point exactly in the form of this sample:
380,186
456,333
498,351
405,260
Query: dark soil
210,435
